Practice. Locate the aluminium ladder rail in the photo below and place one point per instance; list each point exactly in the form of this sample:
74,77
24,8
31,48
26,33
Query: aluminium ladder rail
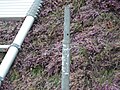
16,9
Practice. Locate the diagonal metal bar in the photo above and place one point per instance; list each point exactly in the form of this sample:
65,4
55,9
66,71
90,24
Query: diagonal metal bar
15,46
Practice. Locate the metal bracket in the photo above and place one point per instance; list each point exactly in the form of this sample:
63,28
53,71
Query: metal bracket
15,45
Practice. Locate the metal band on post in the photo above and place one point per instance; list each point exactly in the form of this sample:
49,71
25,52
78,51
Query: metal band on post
15,45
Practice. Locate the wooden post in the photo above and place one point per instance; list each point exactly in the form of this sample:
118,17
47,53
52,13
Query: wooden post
66,50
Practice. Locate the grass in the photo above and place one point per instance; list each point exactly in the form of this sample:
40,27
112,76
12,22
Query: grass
38,70
52,25
54,80
78,27
14,75
77,4
105,76
83,52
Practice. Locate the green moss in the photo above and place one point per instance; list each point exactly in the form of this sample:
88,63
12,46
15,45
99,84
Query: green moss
83,52
55,80
38,70
78,27
106,75
14,75
77,4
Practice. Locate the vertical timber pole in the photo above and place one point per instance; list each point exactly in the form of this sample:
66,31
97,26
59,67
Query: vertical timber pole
66,50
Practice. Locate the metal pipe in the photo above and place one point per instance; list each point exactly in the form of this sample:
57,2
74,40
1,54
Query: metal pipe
13,50
66,50
3,48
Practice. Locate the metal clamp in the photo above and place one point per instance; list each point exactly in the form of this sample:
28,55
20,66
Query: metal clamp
15,45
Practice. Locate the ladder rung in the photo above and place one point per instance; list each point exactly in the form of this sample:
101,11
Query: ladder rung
4,48
14,8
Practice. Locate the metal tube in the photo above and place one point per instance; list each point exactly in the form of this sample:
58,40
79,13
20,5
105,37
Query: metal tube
66,50
24,30
3,48
12,51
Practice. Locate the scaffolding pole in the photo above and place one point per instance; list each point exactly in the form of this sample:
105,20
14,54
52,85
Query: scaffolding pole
66,50
13,49
15,46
